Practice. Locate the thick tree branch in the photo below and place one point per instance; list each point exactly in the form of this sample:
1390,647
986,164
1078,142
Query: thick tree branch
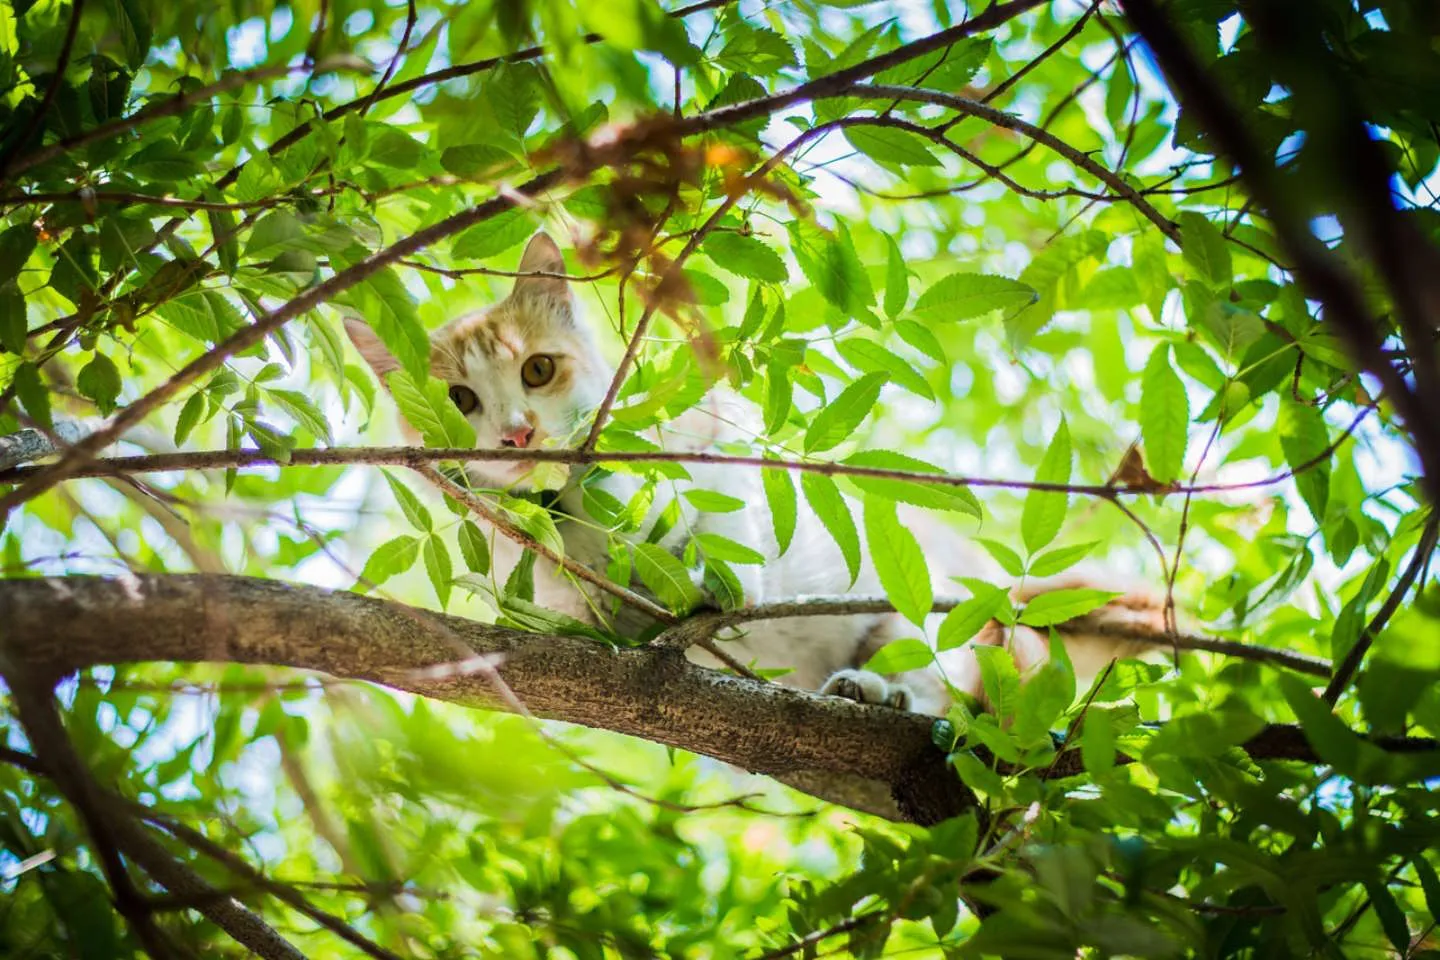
825,745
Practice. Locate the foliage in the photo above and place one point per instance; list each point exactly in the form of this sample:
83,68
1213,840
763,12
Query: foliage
910,287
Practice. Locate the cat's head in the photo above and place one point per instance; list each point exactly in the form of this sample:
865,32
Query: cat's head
523,372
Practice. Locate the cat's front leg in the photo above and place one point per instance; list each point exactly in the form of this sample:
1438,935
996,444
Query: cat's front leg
866,686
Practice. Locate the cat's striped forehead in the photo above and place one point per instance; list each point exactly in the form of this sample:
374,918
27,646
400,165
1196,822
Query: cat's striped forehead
506,333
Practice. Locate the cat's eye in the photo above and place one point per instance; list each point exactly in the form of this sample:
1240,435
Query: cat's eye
464,399
538,370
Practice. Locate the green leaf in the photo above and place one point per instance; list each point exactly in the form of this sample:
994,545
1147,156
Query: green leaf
964,296
1164,417
824,498
723,548
475,160
1429,883
438,568
869,357
897,280
784,508
1000,678
410,505
1097,742
474,549
899,561
1054,561
430,411
1392,918
898,656
189,417
1008,559
1304,438
745,257
13,323
755,50
302,410
723,585
712,502
837,420
779,392
32,393
829,262
273,233
890,145
384,303
933,496
389,559
1205,250
100,381
666,578
1057,606
535,521
920,337
16,245
967,619
1044,510
506,229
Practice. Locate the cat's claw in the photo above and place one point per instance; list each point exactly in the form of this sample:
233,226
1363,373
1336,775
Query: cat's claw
864,686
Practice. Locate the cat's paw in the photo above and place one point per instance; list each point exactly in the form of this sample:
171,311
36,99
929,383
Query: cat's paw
864,686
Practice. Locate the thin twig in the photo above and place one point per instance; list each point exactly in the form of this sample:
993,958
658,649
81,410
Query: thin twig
1346,670
57,80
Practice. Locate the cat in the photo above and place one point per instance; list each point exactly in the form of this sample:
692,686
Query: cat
528,371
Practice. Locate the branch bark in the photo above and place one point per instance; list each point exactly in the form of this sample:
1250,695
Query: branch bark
875,758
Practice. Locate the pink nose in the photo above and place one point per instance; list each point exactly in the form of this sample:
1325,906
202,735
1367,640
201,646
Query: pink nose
517,436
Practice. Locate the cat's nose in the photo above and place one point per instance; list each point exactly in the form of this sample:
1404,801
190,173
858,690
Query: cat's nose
517,436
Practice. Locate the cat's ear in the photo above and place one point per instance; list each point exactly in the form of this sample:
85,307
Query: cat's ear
542,255
381,360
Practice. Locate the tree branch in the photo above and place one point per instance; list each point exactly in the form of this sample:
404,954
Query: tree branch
57,80
825,745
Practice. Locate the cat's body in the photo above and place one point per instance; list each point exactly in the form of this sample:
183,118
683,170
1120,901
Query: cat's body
527,371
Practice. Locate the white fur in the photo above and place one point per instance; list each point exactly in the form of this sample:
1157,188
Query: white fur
823,653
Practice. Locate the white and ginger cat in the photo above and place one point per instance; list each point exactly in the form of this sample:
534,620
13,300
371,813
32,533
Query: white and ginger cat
528,370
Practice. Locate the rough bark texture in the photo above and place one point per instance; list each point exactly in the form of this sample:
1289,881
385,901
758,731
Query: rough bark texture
867,757
873,757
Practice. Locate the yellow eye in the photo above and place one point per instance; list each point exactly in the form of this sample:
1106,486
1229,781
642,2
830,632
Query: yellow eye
538,370
464,399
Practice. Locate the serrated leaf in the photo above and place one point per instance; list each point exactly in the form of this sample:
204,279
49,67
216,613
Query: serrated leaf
1304,438
1008,559
507,229
723,548
933,496
868,356
890,145
922,339
534,520
784,504
755,50
1044,510
410,505
189,417
1000,679
825,499
303,411
100,381
746,257
1205,250
723,585
964,296
968,618
383,302
277,231
838,419
438,568
897,279
1058,606
391,558
665,577
1055,561
429,410
32,393
829,262
1164,417
474,549
899,561
713,502
13,323
898,656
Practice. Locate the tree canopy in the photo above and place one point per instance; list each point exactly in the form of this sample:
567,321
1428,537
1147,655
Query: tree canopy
1151,286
